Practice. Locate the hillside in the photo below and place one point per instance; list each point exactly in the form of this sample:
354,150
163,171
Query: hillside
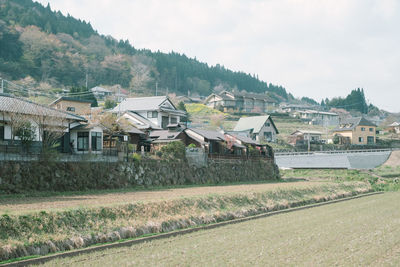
58,51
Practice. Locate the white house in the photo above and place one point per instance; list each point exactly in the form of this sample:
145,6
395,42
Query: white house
42,120
316,117
100,92
259,128
85,138
150,112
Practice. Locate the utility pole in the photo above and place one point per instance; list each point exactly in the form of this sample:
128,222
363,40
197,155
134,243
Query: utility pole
86,80
156,88
2,86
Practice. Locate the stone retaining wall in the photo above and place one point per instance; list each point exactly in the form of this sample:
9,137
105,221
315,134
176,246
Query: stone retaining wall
18,177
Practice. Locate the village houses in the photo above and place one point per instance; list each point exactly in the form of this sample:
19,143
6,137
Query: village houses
45,123
72,104
241,102
356,131
258,128
155,112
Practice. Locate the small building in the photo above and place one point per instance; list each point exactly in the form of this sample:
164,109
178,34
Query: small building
241,102
87,138
290,108
394,127
156,110
258,128
301,137
315,117
100,92
45,122
358,131
71,104
211,141
175,132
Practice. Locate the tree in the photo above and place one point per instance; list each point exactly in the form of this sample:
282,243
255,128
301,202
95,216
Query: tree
174,150
26,133
109,104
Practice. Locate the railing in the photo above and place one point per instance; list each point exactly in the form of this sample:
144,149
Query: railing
238,157
333,152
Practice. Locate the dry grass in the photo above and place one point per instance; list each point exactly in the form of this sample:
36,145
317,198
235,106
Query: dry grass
34,204
342,234
97,224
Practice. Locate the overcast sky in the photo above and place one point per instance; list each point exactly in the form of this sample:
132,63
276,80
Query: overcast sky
313,48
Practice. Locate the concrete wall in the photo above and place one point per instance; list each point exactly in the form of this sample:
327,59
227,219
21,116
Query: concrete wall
365,160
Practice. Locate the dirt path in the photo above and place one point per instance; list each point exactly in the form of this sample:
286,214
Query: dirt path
31,204
394,159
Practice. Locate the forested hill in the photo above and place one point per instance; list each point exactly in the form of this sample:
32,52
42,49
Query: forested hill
60,51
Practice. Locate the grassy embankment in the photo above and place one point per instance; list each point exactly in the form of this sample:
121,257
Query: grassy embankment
25,233
383,178
341,234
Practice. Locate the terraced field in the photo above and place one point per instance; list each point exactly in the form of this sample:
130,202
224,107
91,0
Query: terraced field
360,232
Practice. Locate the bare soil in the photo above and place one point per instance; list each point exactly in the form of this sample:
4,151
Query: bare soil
34,204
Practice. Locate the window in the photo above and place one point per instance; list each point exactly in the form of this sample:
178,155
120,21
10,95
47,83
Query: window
360,139
83,141
363,129
268,136
371,129
267,124
2,133
152,114
96,141
174,120
72,109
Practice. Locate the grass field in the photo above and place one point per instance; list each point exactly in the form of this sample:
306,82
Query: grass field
360,232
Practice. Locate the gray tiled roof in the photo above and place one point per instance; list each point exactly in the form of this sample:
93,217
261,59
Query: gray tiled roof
210,135
145,103
243,139
13,104
165,134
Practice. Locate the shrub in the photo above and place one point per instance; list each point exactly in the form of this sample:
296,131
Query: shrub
174,150
136,157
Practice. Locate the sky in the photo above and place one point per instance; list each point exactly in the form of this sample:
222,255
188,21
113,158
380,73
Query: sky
313,48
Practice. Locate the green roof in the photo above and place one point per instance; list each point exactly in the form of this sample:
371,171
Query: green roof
254,123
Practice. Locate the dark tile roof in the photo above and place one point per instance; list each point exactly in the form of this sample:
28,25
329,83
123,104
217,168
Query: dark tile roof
350,123
68,98
210,135
14,104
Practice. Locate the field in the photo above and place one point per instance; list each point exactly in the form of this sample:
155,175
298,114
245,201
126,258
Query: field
345,234
38,226
24,205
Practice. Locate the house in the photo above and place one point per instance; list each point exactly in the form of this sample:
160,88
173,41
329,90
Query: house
358,131
301,137
100,92
175,132
259,128
315,117
394,127
87,138
47,124
73,105
290,108
211,141
240,101
157,111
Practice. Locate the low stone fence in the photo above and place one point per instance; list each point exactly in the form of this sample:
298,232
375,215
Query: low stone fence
18,177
